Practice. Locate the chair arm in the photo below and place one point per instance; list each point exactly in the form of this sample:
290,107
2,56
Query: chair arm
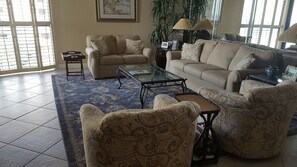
162,100
235,78
172,55
247,85
148,52
223,98
91,118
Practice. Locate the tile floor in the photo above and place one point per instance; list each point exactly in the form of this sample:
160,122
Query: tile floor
30,134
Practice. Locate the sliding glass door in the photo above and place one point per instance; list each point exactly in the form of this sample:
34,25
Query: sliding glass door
26,41
262,20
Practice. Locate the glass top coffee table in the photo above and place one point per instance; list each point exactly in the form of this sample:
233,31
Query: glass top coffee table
148,77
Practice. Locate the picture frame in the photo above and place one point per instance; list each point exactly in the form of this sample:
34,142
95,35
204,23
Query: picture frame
164,45
290,73
121,11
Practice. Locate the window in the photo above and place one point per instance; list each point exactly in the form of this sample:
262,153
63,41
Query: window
262,20
26,40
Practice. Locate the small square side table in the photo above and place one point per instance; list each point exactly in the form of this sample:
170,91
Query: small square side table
208,152
71,57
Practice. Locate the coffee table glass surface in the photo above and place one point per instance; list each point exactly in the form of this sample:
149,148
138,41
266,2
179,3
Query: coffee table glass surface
149,76
149,73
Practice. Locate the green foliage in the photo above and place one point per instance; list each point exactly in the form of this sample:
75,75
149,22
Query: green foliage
166,13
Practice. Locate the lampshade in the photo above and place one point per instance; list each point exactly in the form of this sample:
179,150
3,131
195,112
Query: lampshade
290,35
204,24
183,24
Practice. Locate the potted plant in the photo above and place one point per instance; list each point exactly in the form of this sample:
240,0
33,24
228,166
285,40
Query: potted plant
166,13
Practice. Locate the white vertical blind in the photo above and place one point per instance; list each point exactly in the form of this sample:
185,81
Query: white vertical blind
26,43
3,11
25,35
42,10
7,52
262,20
46,45
21,10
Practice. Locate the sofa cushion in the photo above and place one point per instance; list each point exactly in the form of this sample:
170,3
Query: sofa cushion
197,69
245,63
222,54
101,46
109,40
112,60
208,47
216,77
135,59
264,58
191,51
180,63
134,46
121,42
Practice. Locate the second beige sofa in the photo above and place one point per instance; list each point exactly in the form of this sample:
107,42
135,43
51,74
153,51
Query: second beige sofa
216,65
104,66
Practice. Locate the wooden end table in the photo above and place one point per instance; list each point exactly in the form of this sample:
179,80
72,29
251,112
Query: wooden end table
262,77
206,148
74,57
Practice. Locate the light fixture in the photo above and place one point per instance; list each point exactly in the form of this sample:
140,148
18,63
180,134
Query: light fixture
290,35
184,24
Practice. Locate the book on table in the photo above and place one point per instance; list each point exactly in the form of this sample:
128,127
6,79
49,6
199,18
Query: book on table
140,71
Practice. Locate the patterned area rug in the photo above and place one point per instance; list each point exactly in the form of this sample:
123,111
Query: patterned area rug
71,95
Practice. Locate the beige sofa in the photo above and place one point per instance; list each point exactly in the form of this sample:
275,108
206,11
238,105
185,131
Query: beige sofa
103,66
219,64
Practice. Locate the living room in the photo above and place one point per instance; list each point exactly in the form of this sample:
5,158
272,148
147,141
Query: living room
30,127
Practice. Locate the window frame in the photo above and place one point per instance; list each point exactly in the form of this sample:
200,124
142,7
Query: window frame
35,24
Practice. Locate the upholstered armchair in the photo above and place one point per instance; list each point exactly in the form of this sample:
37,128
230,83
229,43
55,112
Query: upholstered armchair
254,125
162,136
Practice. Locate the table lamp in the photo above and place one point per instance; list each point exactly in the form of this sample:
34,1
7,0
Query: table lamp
184,24
202,26
290,35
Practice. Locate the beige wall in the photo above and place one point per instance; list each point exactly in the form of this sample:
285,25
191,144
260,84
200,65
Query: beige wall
231,16
75,19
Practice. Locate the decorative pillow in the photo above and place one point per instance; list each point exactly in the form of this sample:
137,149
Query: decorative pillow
101,46
245,63
134,46
191,51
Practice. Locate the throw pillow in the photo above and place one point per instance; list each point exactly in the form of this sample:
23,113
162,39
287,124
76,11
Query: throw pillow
191,51
245,63
134,46
101,46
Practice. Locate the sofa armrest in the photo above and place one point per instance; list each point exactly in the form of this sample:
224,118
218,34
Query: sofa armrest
163,100
172,55
223,98
148,52
235,78
92,53
91,118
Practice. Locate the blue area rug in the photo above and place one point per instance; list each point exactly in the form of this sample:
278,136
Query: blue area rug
71,95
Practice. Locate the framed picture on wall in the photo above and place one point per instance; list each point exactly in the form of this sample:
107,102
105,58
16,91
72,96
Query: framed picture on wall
124,10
